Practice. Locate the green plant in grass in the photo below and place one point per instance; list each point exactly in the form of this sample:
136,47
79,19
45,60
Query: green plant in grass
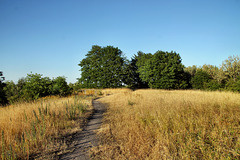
3,146
131,103
35,114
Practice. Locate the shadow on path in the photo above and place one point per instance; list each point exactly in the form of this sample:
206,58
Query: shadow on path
87,138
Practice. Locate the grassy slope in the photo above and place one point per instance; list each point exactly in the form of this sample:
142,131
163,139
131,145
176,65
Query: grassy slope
34,128
158,124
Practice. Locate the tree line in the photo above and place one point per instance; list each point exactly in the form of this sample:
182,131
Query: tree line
32,87
106,67
210,77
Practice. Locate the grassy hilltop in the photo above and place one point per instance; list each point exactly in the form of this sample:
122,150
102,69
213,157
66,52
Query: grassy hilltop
160,124
141,124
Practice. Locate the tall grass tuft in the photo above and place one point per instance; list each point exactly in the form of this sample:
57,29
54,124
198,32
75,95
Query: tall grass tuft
3,145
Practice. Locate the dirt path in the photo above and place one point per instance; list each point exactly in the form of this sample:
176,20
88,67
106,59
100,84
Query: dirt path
82,142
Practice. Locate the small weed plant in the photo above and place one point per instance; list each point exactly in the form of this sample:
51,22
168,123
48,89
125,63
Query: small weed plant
130,103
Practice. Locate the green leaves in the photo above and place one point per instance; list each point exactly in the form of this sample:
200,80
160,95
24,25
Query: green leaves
162,70
3,98
200,79
103,67
60,86
36,86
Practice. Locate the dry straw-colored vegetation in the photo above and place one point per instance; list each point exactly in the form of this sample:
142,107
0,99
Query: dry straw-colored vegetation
159,124
30,130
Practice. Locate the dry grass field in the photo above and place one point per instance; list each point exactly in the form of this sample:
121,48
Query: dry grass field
28,129
159,124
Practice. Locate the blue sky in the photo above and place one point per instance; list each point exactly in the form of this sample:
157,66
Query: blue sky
51,37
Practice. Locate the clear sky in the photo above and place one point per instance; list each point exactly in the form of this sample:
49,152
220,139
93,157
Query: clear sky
51,37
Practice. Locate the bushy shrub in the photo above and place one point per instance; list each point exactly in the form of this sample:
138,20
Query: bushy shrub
3,97
60,86
232,85
200,79
36,86
213,85
11,91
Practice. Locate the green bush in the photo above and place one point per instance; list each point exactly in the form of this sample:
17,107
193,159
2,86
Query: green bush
60,87
213,85
200,79
36,86
3,97
232,85
11,91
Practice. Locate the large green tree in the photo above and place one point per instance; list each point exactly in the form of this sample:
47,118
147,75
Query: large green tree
162,70
103,67
134,80
231,70
231,67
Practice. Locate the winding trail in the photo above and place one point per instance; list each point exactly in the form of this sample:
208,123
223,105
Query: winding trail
82,142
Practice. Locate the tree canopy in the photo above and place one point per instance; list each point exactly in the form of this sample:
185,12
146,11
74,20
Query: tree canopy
200,79
60,86
162,70
106,67
103,67
32,87
3,97
231,67
36,86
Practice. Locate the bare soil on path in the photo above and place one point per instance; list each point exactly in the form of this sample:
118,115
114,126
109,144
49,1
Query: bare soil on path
87,138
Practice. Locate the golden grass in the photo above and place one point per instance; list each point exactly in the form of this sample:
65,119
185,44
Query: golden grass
110,91
31,128
159,124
